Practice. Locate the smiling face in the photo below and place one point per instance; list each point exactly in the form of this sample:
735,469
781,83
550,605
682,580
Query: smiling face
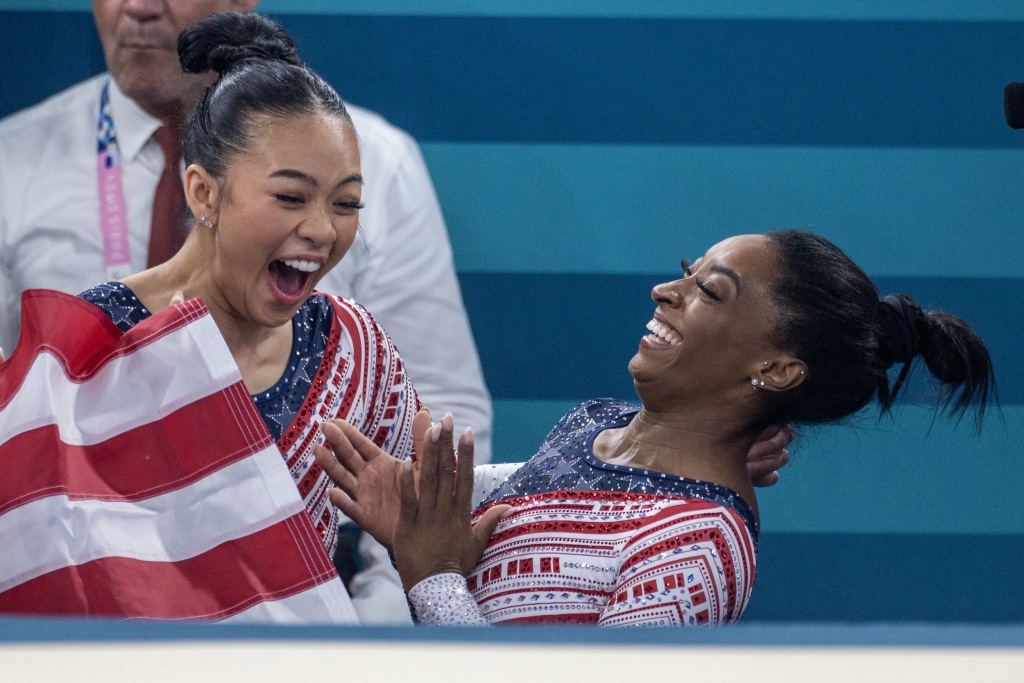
712,330
140,45
284,215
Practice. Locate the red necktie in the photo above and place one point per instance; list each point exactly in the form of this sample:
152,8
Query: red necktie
166,233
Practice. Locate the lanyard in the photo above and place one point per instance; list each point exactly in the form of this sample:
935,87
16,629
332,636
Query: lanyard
113,214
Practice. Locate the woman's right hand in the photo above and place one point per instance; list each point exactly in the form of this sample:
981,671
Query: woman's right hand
367,478
434,534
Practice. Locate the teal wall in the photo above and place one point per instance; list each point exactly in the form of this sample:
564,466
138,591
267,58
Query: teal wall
581,149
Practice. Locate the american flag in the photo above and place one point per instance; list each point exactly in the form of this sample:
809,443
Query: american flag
139,481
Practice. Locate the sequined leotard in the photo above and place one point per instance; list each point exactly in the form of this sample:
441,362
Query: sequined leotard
592,543
344,365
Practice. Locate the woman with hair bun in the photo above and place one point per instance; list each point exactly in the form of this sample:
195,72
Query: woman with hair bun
273,185
646,516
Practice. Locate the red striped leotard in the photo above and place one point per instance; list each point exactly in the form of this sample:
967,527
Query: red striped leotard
589,542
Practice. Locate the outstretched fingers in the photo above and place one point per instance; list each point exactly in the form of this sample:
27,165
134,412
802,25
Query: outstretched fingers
364,450
343,497
339,459
342,494
343,459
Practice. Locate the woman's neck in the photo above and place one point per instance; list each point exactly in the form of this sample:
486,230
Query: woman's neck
696,446
260,352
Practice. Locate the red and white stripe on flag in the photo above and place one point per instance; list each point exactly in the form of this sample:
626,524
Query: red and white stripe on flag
140,481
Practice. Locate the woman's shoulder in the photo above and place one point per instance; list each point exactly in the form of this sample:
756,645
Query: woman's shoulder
119,302
356,322
107,290
341,307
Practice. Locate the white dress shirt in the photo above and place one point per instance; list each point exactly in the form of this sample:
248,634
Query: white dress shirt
400,266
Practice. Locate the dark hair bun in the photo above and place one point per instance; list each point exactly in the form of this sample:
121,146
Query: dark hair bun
222,40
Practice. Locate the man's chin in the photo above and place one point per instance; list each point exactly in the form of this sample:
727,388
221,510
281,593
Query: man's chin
165,95
145,69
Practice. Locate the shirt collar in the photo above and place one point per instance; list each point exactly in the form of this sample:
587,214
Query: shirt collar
133,125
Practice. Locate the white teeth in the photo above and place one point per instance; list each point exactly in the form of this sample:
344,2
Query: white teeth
664,333
304,266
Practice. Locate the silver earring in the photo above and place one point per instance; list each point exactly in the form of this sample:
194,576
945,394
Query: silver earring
753,384
761,383
206,222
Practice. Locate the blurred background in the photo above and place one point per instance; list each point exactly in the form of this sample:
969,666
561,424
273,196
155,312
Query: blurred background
580,149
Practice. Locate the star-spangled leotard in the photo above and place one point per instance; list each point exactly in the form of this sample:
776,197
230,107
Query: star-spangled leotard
589,542
344,365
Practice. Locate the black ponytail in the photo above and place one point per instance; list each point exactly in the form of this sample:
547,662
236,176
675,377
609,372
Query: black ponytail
833,319
955,355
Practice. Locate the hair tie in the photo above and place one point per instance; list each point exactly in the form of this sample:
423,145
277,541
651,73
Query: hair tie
900,338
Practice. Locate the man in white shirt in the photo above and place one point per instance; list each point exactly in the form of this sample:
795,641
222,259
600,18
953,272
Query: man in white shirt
400,267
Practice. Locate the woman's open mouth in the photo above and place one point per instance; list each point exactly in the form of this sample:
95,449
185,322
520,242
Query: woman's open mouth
290,278
662,335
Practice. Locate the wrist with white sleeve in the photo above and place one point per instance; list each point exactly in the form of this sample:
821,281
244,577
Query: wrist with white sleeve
445,600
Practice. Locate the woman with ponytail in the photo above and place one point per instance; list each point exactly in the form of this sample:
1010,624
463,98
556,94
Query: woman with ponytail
646,515
837,322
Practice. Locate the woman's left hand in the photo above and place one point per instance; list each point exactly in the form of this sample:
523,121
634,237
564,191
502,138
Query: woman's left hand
366,477
769,454
434,534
